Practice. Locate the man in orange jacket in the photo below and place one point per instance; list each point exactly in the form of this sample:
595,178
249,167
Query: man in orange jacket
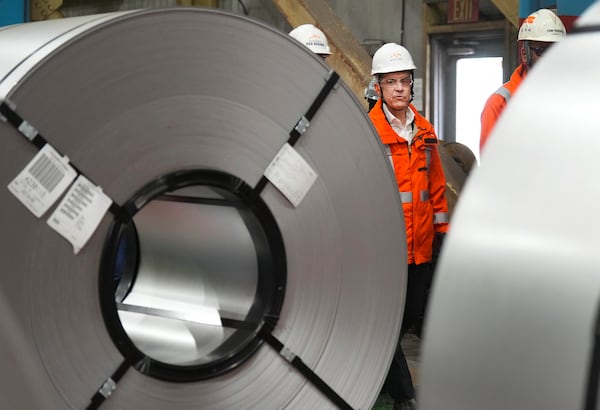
411,145
539,31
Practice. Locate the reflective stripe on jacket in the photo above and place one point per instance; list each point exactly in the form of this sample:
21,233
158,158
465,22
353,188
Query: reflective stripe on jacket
496,103
421,181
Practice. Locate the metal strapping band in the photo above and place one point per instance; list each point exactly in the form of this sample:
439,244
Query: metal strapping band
7,111
593,374
440,218
332,79
108,387
592,28
24,127
299,365
406,197
424,196
287,354
302,125
28,130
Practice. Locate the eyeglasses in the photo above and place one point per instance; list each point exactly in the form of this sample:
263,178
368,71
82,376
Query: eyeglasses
539,50
393,82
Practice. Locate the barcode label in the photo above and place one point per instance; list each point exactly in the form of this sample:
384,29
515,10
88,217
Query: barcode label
46,173
43,181
80,212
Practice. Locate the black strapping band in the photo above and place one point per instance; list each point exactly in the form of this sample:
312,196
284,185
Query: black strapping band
311,376
591,394
21,125
33,135
304,121
593,28
108,387
329,84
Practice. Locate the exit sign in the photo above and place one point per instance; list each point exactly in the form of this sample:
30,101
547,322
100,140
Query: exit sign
463,11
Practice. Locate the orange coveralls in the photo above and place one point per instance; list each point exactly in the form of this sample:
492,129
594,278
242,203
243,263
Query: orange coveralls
421,182
496,103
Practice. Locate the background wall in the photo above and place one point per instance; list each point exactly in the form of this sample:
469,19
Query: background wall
372,22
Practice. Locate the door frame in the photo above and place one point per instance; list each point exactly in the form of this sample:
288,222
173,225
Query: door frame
496,38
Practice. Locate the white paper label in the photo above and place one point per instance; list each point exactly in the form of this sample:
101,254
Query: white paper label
43,181
80,212
291,174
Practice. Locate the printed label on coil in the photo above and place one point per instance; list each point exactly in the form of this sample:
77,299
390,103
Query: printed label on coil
291,174
80,212
43,181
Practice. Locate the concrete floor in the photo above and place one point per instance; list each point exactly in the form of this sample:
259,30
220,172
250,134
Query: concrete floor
410,346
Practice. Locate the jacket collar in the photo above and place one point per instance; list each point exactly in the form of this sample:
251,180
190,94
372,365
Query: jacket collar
386,133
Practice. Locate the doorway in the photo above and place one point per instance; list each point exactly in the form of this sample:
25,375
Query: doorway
466,69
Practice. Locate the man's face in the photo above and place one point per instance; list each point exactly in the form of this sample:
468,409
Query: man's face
537,49
396,88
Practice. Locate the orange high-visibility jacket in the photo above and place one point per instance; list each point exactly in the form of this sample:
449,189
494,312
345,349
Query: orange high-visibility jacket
496,103
421,181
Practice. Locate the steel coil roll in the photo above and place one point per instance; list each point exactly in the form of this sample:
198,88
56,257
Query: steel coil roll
513,322
235,294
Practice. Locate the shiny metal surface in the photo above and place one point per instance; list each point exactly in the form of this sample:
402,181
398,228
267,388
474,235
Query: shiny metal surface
26,45
514,307
137,96
196,261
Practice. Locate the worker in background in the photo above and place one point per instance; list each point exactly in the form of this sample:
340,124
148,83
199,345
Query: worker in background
538,32
313,38
412,148
370,93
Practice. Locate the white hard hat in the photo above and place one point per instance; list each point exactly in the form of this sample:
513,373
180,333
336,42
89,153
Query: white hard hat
311,37
391,57
542,25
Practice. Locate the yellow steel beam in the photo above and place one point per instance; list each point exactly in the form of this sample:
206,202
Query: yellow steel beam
465,27
348,57
45,9
510,9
